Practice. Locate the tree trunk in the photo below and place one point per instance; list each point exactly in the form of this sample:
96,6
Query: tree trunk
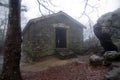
12,50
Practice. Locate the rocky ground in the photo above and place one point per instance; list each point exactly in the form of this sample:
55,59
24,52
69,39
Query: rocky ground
52,68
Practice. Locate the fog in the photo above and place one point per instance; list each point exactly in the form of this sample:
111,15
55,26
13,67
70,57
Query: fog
75,8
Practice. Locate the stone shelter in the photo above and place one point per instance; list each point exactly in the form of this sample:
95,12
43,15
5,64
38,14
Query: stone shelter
43,35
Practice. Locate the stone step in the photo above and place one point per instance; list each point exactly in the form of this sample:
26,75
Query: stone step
116,64
64,53
62,50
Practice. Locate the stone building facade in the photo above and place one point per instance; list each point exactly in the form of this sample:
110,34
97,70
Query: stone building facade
43,35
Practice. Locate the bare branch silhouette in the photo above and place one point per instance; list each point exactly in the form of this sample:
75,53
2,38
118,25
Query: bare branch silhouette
42,5
23,8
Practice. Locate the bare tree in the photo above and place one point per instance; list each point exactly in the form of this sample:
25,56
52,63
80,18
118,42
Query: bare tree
94,8
44,4
6,5
12,50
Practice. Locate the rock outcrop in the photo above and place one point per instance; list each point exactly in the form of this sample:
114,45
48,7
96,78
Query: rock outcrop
107,30
96,60
114,74
111,55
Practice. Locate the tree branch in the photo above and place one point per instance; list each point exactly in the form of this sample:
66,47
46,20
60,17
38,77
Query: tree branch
42,4
23,8
4,5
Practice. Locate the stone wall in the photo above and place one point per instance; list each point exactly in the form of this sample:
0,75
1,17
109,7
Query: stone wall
76,39
39,39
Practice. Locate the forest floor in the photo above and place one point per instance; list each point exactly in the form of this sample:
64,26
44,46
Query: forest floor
51,68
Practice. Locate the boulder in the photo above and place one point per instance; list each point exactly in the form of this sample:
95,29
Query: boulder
103,33
107,30
111,55
114,74
96,60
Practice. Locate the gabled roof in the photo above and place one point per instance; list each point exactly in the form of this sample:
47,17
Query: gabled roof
52,15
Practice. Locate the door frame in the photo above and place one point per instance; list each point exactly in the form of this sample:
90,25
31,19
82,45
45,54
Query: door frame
66,37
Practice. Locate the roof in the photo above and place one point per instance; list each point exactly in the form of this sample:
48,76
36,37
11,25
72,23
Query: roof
52,15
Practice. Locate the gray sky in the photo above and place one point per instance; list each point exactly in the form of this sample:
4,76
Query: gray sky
74,8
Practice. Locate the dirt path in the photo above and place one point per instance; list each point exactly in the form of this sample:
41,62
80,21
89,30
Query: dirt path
49,62
52,68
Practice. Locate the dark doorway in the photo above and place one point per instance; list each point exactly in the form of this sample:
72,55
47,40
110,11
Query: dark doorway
60,38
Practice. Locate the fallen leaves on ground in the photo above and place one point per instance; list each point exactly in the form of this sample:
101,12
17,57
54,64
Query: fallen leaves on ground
71,71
